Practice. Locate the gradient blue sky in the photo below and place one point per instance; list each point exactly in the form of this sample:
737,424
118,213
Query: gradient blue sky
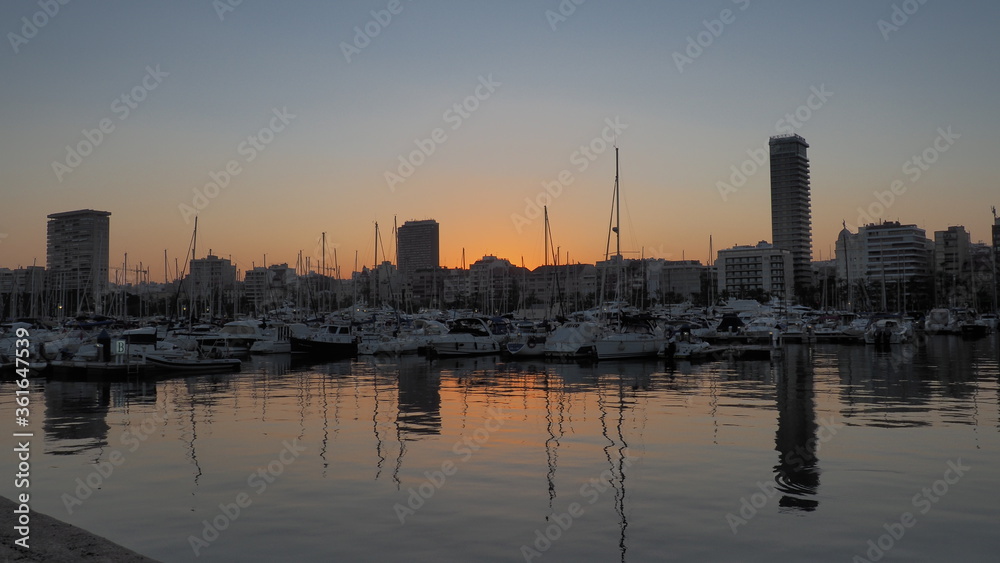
326,170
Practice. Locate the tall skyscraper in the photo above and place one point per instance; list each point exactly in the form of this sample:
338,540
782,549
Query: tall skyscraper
418,247
996,259
77,258
791,217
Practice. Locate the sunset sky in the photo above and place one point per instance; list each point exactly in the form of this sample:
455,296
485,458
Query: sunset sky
345,91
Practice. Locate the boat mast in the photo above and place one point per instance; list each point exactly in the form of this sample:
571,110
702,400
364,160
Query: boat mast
375,286
194,246
618,211
711,273
545,242
323,267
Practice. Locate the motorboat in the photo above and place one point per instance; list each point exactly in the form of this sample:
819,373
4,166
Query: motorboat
635,338
471,336
190,363
889,330
335,340
574,339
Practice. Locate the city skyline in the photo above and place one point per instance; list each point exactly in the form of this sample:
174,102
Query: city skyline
476,115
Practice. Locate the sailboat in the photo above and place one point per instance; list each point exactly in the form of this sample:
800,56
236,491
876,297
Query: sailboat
634,336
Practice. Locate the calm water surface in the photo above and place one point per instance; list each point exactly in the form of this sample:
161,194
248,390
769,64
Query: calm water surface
805,458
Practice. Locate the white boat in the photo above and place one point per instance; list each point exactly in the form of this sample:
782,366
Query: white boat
329,341
528,341
277,340
684,346
887,331
762,327
941,321
573,340
635,339
371,343
233,339
190,363
470,336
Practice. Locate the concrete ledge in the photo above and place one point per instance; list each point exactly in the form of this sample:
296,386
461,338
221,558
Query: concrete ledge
54,541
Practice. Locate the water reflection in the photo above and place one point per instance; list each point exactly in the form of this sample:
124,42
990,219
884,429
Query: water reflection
618,463
568,424
796,474
419,399
903,386
76,416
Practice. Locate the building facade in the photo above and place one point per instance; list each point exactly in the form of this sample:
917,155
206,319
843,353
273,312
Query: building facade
951,251
264,286
791,216
77,258
896,252
675,278
746,270
212,272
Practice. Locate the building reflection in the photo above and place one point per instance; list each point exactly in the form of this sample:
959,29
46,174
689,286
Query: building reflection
419,399
796,474
76,416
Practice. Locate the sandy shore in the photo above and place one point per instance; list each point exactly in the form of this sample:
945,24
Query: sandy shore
54,541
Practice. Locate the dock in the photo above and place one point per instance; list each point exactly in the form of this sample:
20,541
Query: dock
55,541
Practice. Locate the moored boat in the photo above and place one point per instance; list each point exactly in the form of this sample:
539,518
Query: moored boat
471,336
328,341
190,363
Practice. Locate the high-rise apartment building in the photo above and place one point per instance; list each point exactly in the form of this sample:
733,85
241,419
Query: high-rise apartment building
887,251
791,217
77,258
418,244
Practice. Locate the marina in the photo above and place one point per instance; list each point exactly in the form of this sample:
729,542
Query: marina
324,281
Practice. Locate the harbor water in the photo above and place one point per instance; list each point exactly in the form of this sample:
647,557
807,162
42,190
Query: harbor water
823,453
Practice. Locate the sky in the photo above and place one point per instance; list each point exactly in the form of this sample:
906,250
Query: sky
275,122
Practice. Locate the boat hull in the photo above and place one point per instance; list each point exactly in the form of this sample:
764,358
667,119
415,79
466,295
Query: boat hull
192,365
325,349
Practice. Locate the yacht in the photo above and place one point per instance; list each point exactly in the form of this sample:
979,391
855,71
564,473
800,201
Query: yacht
471,336
329,340
636,338
573,340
